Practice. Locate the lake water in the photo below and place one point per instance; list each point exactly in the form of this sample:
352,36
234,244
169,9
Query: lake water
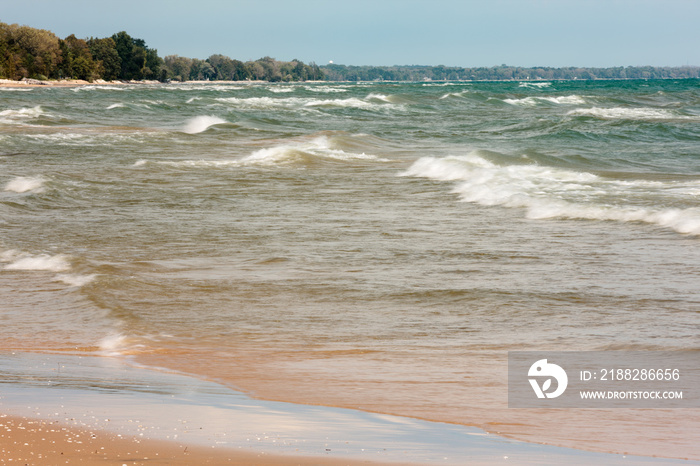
376,246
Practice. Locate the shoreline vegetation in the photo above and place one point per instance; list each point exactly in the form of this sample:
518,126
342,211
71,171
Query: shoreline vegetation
36,57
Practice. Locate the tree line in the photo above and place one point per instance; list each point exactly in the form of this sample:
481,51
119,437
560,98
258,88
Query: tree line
502,73
26,52
223,68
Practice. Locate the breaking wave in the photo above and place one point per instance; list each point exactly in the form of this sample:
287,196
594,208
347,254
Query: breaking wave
561,100
23,184
624,113
45,262
548,192
18,116
201,123
320,149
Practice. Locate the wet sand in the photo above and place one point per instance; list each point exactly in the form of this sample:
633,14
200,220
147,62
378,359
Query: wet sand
36,442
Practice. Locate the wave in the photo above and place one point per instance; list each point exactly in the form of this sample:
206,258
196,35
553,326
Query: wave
561,100
12,116
201,123
455,94
118,344
325,89
44,262
280,90
372,101
548,192
23,184
320,149
535,85
117,105
352,102
624,113
76,280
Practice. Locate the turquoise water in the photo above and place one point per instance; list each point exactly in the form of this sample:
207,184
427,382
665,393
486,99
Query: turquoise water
373,245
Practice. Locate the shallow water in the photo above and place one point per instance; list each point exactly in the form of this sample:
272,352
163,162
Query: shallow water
93,393
379,246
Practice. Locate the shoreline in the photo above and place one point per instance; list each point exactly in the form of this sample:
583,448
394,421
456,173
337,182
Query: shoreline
140,412
28,440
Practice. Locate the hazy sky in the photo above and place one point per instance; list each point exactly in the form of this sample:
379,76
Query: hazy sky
388,32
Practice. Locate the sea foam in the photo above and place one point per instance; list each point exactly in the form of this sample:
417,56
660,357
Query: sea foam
44,262
76,280
559,100
18,116
626,113
23,184
548,192
201,123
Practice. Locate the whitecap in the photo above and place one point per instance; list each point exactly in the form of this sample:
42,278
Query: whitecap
318,149
23,184
325,89
633,113
76,280
17,116
352,102
43,262
117,105
560,100
280,90
201,123
548,192
536,85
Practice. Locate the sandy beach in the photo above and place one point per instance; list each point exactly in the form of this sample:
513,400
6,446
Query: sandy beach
36,442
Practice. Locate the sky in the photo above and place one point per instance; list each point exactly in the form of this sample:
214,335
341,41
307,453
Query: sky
466,33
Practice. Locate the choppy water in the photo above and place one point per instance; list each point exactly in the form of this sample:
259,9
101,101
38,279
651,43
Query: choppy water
379,245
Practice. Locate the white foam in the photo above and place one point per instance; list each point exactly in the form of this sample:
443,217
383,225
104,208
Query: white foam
561,100
352,102
45,262
325,89
18,116
118,344
76,280
117,105
265,103
113,345
23,184
201,123
294,152
548,192
455,94
624,113
280,90
320,147
537,85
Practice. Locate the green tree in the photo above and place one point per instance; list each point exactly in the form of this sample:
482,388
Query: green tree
104,52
